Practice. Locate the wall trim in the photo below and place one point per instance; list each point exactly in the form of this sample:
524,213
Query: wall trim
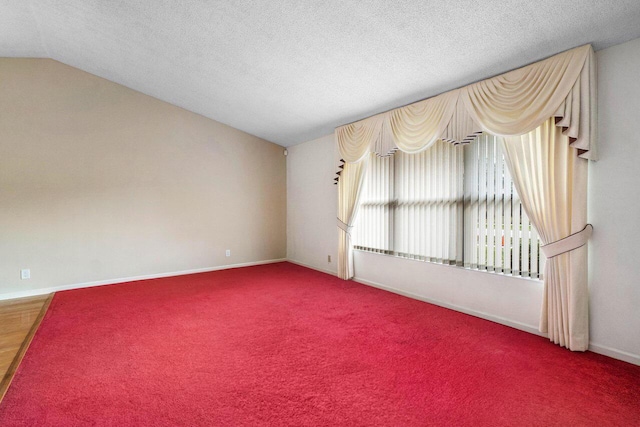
302,264
487,316
43,291
614,353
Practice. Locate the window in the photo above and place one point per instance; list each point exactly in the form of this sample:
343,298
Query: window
448,204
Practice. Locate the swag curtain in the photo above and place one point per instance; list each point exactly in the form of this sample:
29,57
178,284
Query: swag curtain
560,88
513,103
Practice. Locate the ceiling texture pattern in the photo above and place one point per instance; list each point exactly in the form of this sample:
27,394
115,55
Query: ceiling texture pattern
290,71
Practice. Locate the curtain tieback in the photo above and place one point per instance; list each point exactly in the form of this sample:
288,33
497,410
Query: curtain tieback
344,226
569,243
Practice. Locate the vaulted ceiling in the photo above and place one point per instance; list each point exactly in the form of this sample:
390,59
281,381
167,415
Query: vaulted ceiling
291,70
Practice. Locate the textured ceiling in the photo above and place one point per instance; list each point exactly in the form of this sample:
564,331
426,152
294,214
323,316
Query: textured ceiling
291,71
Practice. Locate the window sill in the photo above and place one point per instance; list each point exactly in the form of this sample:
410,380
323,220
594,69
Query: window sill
529,279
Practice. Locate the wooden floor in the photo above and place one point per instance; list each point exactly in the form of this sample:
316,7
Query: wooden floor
19,320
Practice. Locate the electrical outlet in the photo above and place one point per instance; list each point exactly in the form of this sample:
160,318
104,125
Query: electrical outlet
25,274
228,253
328,258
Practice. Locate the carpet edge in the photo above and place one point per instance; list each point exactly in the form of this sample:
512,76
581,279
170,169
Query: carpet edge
624,356
321,270
5,383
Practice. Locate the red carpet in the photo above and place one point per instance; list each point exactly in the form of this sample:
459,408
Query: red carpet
284,345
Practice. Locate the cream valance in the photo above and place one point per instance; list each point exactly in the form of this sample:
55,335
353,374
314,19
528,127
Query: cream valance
510,104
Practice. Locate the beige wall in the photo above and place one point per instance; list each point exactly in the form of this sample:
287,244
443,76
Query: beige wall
99,182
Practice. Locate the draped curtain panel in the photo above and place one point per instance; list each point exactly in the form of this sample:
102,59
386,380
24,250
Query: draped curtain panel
552,183
558,92
349,189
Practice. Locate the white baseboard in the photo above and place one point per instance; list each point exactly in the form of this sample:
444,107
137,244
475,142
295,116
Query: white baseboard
44,291
616,354
497,319
596,348
322,270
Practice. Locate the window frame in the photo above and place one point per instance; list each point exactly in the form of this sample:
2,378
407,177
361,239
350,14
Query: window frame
391,203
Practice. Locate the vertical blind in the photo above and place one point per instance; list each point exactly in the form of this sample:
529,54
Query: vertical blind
374,228
498,235
429,204
448,204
